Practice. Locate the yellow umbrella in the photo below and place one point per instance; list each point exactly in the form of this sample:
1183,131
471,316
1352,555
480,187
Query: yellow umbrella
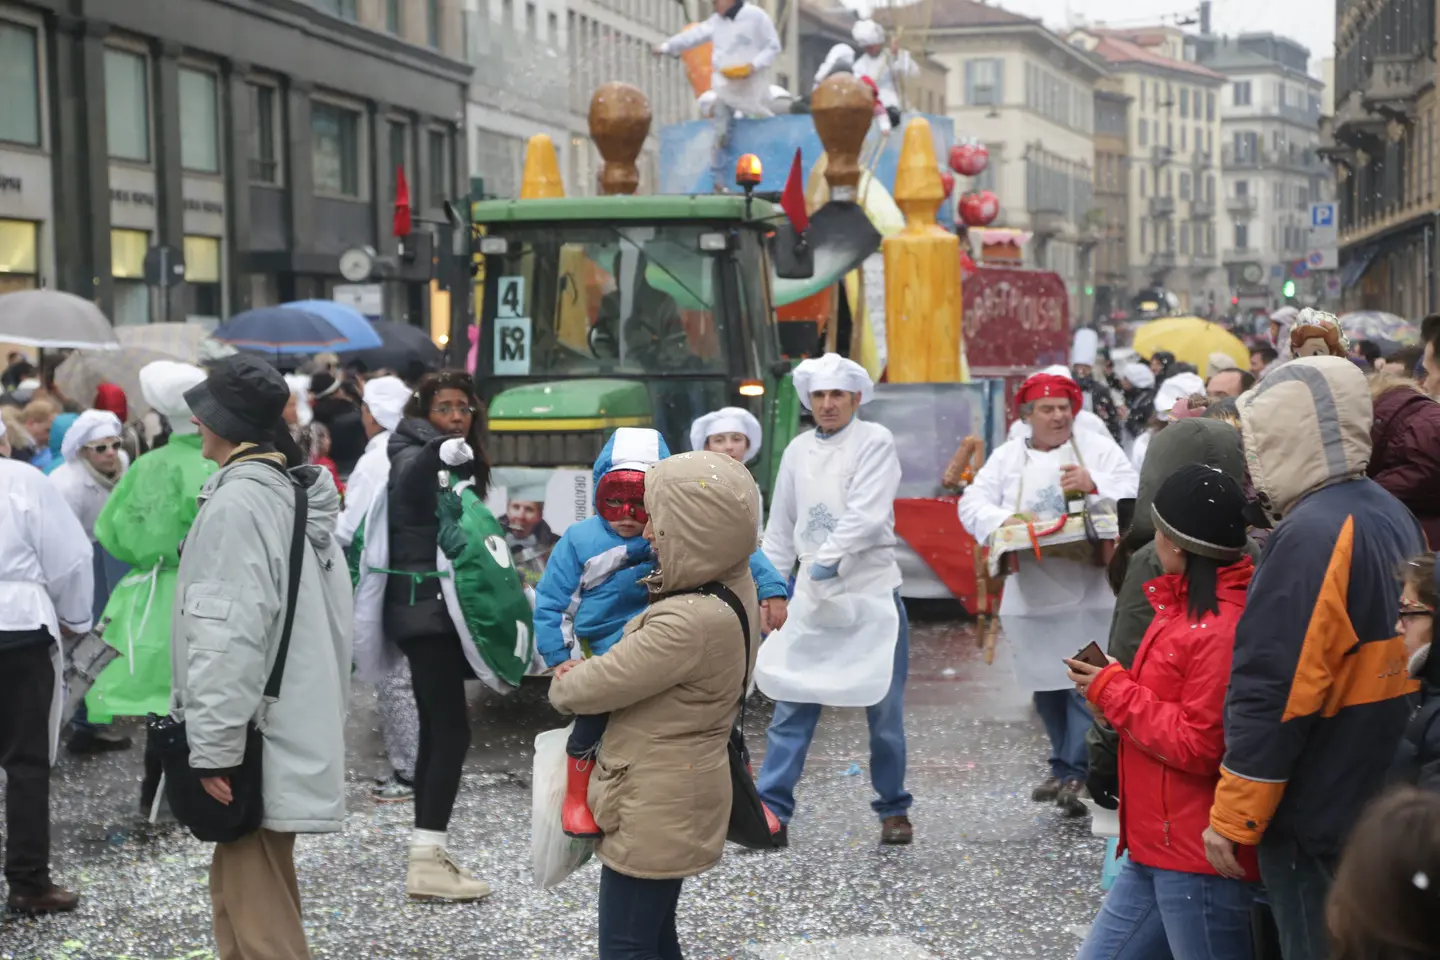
1192,340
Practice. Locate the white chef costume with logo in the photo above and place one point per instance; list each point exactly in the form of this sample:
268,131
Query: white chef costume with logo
745,37
1051,608
883,68
833,507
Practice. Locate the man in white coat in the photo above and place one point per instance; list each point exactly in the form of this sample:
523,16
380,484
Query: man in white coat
887,68
1051,608
46,583
834,514
744,45
384,400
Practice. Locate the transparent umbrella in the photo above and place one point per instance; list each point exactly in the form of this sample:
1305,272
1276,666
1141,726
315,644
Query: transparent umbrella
53,320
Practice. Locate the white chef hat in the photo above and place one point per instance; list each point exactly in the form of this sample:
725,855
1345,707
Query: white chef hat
90,426
163,384
386,397
868,33
1085,348
1176,388
300,390
1059,370
728,420
1139,374
831,372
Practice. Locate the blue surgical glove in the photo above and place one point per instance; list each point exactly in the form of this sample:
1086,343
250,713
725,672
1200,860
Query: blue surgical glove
818,571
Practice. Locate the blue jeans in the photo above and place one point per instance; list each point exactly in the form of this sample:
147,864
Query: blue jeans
1066,720
637,917
1154,914
1296,885
584,740
793,727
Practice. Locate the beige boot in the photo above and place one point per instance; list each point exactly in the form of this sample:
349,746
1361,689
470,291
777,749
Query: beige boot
434,876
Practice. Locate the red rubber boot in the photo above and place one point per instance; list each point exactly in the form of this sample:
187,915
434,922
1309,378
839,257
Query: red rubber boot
575,818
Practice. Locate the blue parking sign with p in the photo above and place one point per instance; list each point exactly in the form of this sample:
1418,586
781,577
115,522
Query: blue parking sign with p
1322,215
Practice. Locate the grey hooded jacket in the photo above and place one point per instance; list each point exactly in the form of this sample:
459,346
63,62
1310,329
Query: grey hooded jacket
229,609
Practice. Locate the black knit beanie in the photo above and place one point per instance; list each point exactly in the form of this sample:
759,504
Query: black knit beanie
1203,511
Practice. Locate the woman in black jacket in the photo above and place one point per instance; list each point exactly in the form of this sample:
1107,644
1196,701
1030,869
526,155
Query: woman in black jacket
1418,760
443,426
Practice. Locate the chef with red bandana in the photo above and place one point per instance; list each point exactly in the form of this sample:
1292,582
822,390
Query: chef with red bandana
1051,608
593,586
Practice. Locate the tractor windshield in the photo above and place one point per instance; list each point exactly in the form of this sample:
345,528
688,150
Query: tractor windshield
594,299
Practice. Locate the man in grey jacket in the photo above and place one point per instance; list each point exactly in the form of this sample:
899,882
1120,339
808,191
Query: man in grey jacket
230,603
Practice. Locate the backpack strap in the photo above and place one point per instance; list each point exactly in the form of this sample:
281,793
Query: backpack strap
718,590
297,562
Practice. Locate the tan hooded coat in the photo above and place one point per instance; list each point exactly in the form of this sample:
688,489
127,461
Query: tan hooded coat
672,684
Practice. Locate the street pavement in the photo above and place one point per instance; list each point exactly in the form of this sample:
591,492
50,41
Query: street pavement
991,875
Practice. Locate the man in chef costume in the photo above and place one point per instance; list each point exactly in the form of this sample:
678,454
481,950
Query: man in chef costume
833,513
744,45
887,68
1053,607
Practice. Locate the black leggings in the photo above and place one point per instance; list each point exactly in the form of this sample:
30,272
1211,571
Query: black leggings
438,671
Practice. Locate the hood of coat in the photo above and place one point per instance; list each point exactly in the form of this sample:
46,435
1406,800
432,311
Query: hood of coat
702,514
319,486
1173,590
1306,426
1211,442
412,432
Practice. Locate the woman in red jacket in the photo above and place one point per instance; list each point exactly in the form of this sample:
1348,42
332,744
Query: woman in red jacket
1168,901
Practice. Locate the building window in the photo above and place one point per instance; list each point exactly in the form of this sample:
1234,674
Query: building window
335,136
1144,132
1209,105
1185,237
1182,138
552,29
202,278
392,16
341,8
1241,92
399,156
264,124
1184,103
1242,236
983,82
532,20
1242,188
1185,186
438,176
20,79
432,23
127,105
499,160
127,267
19,255
199,123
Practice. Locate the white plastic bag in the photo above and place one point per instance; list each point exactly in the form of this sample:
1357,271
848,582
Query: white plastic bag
553,855
837,647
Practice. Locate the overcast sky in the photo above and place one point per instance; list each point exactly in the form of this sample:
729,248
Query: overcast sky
1312,22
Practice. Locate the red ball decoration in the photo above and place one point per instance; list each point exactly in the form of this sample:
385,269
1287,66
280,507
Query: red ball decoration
947,180
979,209
969,159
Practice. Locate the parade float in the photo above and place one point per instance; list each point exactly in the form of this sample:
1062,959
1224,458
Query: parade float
624,310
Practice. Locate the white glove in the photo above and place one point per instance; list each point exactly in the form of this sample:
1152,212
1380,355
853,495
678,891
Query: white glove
456,451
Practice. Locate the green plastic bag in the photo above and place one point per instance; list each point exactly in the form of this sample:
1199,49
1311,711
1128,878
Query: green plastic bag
484,592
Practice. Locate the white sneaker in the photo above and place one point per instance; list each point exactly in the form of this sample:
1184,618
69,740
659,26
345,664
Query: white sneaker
434,876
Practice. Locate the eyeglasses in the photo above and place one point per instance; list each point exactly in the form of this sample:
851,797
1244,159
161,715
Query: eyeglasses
445,409
1410,610
103,447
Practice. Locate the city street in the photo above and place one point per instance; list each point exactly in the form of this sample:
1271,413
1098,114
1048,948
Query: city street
991,875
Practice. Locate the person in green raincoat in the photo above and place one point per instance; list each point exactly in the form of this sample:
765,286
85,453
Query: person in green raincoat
143,523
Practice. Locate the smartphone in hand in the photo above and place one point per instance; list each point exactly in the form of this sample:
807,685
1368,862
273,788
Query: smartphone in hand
1092,655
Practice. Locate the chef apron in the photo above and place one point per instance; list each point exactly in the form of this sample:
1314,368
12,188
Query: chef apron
1051,608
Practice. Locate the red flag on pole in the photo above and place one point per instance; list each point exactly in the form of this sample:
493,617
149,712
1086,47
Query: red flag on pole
792,200
401,226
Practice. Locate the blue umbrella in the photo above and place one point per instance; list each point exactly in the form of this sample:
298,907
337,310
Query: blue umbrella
359,335
280,330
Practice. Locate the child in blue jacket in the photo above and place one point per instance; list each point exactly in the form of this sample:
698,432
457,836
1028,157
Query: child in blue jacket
591,588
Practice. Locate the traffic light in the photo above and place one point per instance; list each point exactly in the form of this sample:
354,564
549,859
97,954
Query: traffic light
1089,290
1288,290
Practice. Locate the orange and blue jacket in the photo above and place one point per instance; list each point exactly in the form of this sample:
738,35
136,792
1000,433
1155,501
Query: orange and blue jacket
1319,691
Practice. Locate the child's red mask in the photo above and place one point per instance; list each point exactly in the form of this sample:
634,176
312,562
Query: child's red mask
627,489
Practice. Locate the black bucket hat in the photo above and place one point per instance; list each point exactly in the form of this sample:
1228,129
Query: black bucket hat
242,399
1203,511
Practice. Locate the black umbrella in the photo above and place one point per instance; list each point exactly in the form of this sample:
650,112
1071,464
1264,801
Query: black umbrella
405,349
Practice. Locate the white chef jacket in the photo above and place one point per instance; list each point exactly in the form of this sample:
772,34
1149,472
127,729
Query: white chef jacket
1050,609
85,495
857,533
882,69
745,37
371,474
47,568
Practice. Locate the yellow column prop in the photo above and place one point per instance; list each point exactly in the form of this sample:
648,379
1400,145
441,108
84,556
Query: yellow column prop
922,273
542,171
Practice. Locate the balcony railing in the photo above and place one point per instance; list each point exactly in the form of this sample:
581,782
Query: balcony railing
1240,206
1162,260
1047,222
1161,155
1162,207
1202,210
1240,255
1260,158
1202,159
1395,85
